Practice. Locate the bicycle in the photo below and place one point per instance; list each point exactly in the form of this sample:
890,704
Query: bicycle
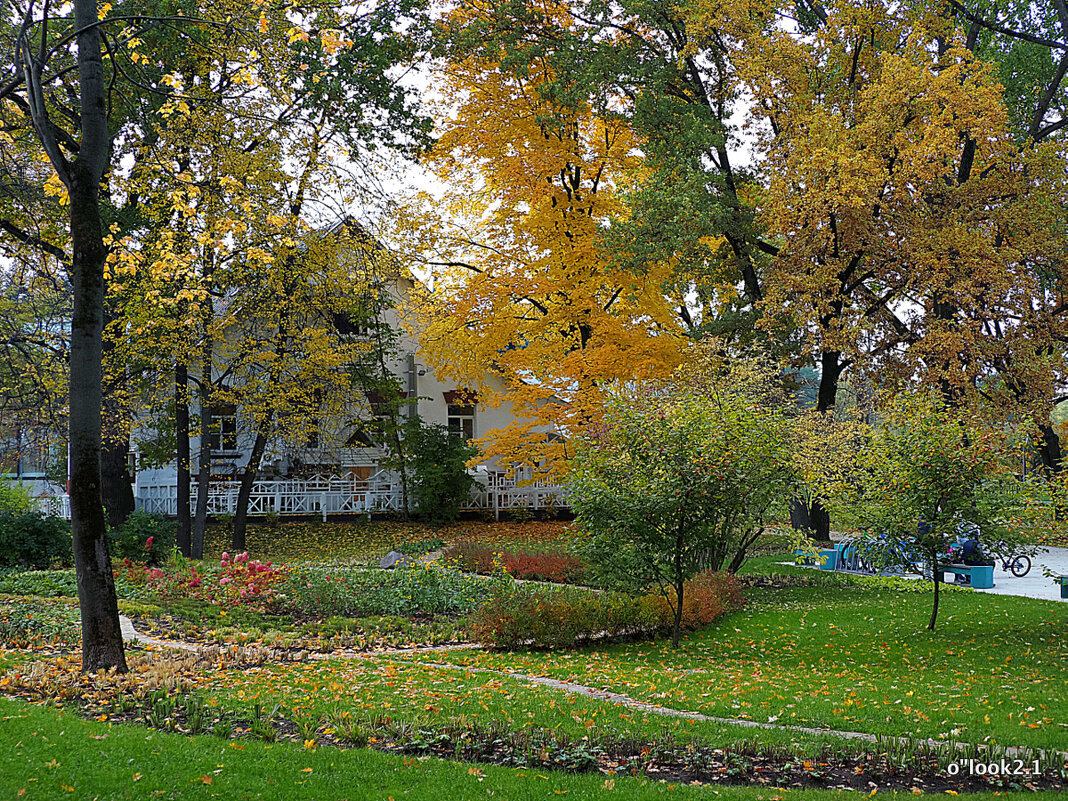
1019,564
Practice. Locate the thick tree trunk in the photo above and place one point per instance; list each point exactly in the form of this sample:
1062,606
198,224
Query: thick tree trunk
814,518
244,492
1050,450
101,636
181,433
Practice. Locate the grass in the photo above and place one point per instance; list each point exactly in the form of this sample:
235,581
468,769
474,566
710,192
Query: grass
52,754
857,659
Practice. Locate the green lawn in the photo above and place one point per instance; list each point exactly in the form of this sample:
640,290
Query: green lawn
849,658
51,754
831,652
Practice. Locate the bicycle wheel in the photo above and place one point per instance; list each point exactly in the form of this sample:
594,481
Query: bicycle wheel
1020,565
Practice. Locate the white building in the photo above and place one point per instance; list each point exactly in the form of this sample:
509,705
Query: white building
339,469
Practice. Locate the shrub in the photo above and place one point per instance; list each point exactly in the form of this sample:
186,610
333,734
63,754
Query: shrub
14,498
32,540
436,467
563,617
559,567
681,476
143,538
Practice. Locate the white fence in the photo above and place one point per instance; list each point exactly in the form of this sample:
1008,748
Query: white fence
346,494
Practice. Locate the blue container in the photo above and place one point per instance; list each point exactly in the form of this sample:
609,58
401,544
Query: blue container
982,577
829,560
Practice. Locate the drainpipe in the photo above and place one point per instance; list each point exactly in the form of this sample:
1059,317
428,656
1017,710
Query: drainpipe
413,388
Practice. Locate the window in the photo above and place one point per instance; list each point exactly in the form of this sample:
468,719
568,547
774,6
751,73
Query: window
462,420
461,415
223,428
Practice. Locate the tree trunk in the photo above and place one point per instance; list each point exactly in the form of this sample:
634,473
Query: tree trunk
181,433
207,365
814,518
244,493
676,629
937,581
115,471
1050,450
101,636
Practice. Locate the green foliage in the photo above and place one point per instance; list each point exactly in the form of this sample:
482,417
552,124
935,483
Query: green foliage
565,617
14,498
42,583
406,590
926,462
436,466
32,622
420,547
680,478
32,540
143,538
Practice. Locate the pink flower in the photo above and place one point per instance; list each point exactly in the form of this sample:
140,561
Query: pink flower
224,580
148,543
242,557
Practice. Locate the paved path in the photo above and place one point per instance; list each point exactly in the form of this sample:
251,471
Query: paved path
1034,585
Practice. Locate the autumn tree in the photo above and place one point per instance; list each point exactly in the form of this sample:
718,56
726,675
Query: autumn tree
519,282
60,85
901,213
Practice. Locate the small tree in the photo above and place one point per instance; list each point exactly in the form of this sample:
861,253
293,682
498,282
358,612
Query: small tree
680,477
929,463
435,467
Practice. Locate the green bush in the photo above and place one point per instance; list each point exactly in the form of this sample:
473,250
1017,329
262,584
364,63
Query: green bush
14,498
564,617
436,467
32,540
143,538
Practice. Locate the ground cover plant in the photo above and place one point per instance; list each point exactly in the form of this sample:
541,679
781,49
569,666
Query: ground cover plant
363,540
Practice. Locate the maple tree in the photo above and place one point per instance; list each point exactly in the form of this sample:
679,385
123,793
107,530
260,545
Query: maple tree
899,213
519,281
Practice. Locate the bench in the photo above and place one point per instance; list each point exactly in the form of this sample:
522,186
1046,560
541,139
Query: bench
982,576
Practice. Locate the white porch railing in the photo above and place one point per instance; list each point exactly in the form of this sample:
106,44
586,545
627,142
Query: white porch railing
345,494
